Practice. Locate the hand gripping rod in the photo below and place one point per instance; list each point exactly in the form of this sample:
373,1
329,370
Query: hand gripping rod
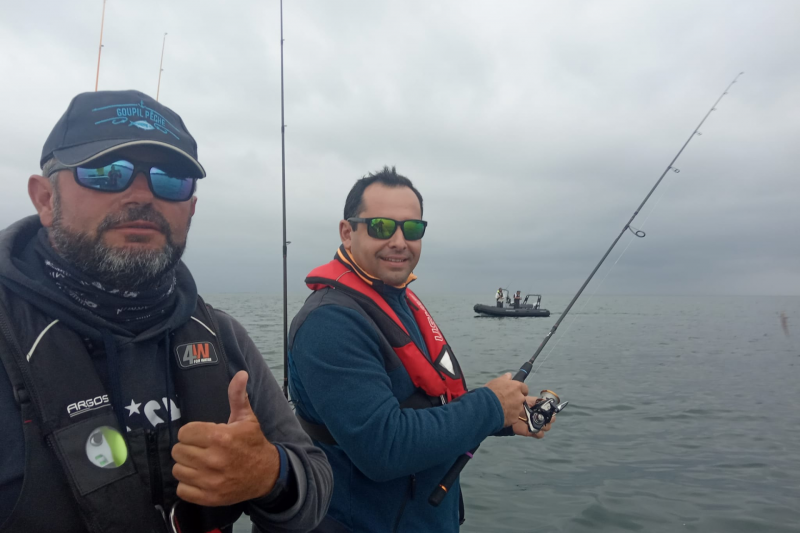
440,491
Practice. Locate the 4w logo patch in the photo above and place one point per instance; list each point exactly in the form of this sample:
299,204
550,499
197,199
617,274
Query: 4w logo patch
196,354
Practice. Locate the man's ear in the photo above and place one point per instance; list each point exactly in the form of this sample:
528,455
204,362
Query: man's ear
42,195
194,206
345,230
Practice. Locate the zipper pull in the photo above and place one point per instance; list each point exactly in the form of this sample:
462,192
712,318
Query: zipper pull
443,398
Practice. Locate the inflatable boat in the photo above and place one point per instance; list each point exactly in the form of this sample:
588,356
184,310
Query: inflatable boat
504,307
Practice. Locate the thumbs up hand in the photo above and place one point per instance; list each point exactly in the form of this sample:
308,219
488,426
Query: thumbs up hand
238,400
224,464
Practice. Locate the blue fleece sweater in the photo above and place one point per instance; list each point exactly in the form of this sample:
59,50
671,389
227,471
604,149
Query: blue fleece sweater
337,377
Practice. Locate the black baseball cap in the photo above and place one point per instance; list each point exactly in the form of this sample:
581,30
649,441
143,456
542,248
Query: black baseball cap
99,122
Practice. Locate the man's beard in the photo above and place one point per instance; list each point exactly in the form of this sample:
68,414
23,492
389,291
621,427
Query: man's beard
120,268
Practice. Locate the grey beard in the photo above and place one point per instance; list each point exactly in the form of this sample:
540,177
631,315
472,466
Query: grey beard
118,268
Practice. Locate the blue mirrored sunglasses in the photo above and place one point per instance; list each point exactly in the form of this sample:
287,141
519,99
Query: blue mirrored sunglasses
166,183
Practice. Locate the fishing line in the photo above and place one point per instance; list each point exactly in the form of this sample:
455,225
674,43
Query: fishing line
447,481
632,238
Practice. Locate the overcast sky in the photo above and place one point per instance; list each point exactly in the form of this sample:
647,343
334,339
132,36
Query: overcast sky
532,129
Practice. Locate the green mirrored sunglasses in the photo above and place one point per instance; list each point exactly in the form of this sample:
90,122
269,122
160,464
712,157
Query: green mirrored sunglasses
384,228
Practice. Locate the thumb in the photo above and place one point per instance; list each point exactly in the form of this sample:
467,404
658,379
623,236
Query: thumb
237,398
507,375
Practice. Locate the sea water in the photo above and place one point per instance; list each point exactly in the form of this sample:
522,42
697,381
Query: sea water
684,412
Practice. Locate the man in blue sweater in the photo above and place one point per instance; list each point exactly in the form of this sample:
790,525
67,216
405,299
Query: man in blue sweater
375,383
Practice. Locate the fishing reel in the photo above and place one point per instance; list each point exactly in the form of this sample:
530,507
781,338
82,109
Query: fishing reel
538,416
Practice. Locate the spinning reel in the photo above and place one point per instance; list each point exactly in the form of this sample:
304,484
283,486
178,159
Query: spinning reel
538,416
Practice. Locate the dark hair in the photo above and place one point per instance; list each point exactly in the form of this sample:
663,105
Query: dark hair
388,176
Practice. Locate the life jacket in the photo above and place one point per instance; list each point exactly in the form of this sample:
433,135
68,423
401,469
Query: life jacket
72,435
438,376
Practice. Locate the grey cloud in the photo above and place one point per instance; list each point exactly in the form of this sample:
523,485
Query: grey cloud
532,129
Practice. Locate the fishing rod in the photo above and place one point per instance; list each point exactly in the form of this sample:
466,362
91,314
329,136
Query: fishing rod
161,66
100,48
541,414
285,242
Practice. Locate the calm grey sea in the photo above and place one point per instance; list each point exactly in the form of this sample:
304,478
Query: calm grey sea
684,412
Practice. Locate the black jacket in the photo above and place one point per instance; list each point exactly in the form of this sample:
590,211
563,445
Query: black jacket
141,364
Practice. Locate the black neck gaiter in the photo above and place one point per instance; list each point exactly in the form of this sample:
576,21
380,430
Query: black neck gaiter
135,311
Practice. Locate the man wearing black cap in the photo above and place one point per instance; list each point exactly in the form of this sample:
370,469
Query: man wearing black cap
126,403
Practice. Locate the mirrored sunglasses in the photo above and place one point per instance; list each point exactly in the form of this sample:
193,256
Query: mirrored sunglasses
167,183
384,228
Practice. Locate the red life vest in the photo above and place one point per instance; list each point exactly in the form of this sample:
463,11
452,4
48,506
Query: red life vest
439,377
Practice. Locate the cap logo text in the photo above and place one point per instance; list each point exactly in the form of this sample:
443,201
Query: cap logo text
138,115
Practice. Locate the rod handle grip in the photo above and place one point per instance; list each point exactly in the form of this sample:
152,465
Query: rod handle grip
449,478
523,372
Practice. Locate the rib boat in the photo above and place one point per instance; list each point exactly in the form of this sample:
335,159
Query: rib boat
504,307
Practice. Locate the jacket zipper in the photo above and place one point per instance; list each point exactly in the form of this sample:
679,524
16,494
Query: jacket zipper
412,485
154,465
